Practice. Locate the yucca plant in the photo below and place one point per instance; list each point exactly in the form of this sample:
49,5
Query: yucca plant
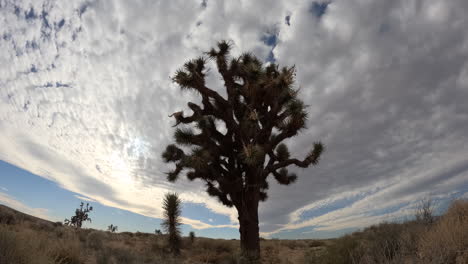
234,143
171,221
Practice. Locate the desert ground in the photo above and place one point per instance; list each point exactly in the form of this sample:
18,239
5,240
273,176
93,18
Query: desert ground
25,239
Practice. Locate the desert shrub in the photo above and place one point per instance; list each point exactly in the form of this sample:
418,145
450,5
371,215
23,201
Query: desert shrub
126,234
232,258
447,240
19,249
409,238
158,246
10,250
103,257
270,254
95,240
43,226
116,256
223,246
316,243
209,257
68,252
217,246
141,234
292,244
7,217
62,232
381,243
58,223
123,256
343,250
425,211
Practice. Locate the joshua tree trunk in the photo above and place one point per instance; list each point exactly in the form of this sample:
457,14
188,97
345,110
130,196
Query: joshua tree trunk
249,231
247,209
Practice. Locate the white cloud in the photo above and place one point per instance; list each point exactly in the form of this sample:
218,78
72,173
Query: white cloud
85,104
84,198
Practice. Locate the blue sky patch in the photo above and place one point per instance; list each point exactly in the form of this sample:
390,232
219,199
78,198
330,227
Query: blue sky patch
319,8
333,206
30,15
200,212
271,39
61,23
311,232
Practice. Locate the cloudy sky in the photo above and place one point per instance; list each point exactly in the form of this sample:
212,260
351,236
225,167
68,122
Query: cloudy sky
85,94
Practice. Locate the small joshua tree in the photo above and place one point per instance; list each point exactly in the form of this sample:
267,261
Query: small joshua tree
171,222
81,215
158,232
112,228
233,143
192,236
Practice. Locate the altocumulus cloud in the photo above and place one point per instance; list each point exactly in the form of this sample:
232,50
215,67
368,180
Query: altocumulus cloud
85,95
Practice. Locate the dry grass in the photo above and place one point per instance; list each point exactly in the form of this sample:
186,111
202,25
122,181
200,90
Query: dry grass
443,241
447,240
32,241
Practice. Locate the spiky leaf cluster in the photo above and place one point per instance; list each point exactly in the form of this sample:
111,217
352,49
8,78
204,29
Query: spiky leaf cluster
260,111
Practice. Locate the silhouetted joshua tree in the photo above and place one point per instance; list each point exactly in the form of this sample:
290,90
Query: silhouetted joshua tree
192,237
81,215
235,141
112,228
171,221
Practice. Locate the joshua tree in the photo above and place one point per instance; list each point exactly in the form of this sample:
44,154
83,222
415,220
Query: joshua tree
192,236
171,222
81,215
157,232
112,228
234,142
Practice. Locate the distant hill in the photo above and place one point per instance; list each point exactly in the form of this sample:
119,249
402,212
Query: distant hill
9,215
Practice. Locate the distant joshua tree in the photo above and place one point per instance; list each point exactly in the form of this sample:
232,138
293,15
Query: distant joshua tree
157,232
192,236
171,222
112,228
81,215
234,142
